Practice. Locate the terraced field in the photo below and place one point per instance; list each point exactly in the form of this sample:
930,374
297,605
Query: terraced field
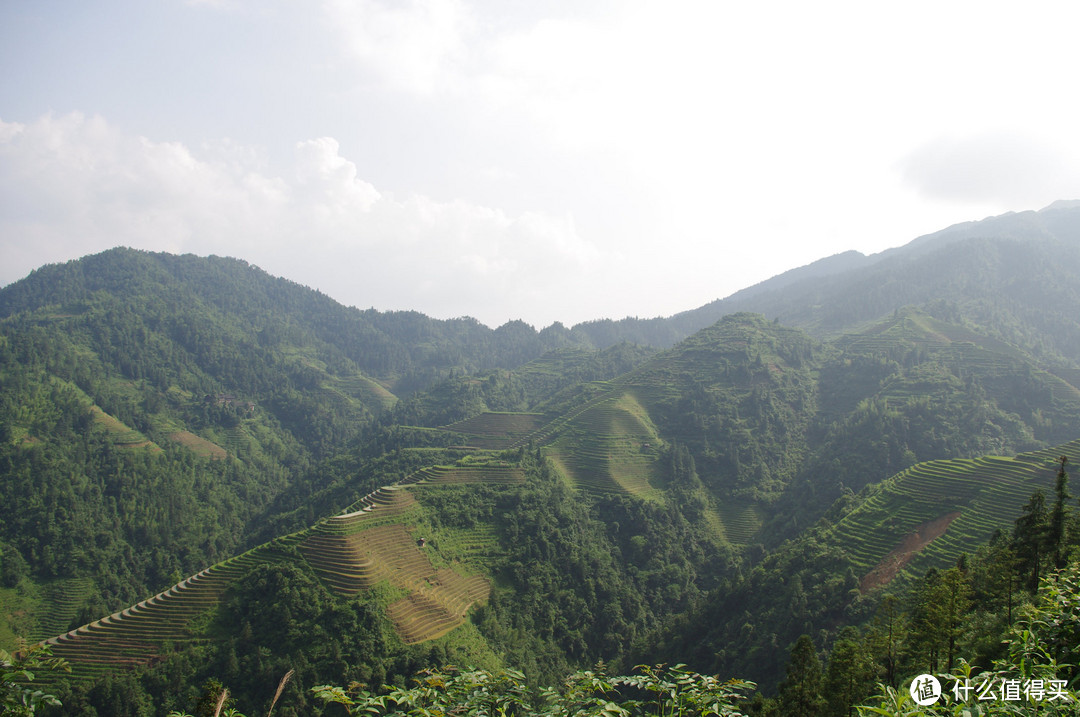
199,446
235,439
120,433
37,611
432,610
364,389
135,636
369,544
610,446
996,364
470,473
372,543
978,495
602,392
480,542
65,597
1070,376
741,520
496,431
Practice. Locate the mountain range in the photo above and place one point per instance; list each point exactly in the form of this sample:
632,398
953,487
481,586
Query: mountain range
213,473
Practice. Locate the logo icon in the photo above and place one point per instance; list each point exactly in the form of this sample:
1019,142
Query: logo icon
925,690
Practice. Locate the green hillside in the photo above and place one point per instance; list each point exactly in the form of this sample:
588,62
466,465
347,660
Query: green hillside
491,430
970,499
488,559
1011,275
160,413
357,495
425,590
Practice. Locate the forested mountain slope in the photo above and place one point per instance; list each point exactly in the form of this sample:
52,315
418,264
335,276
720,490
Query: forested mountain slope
162,414
403,350
1010,274
634,523
779,425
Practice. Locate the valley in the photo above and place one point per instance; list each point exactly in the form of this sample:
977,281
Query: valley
213,474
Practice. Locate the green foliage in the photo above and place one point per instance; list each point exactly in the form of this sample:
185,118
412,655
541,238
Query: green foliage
563,596
800,692
1057,538
941,601
1031,539
18,695
13,567
659,691
1041,651
850,675
739,395
1049,631
158,414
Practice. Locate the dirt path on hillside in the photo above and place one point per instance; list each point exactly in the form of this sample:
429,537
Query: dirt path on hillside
902,554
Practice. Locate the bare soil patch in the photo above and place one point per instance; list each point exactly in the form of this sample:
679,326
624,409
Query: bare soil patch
902,554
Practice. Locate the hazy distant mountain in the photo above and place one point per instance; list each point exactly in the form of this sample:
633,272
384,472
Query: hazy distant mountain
1015,263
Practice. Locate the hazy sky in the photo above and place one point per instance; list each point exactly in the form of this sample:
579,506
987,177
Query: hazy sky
542,160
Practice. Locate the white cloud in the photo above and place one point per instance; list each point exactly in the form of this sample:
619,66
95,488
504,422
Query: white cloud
415,45
1002,168
699,147
327,184
74,185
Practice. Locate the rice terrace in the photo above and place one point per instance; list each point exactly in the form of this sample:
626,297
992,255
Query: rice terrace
429,582
212,476
372,542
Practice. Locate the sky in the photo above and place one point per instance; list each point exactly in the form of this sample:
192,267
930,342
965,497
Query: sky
544,160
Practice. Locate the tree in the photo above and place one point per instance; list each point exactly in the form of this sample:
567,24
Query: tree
12,566
850,674
942,600
996,575
955,595
800,692
1030,539
17,672
925,615
1057,543
887,635
1042,649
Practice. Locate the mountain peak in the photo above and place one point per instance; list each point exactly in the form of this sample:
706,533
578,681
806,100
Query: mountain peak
1066,204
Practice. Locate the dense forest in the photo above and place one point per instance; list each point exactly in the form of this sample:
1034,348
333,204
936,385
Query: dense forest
818,486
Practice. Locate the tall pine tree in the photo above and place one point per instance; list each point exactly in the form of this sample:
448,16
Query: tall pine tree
800,692
1030,538
1057,540
850,675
